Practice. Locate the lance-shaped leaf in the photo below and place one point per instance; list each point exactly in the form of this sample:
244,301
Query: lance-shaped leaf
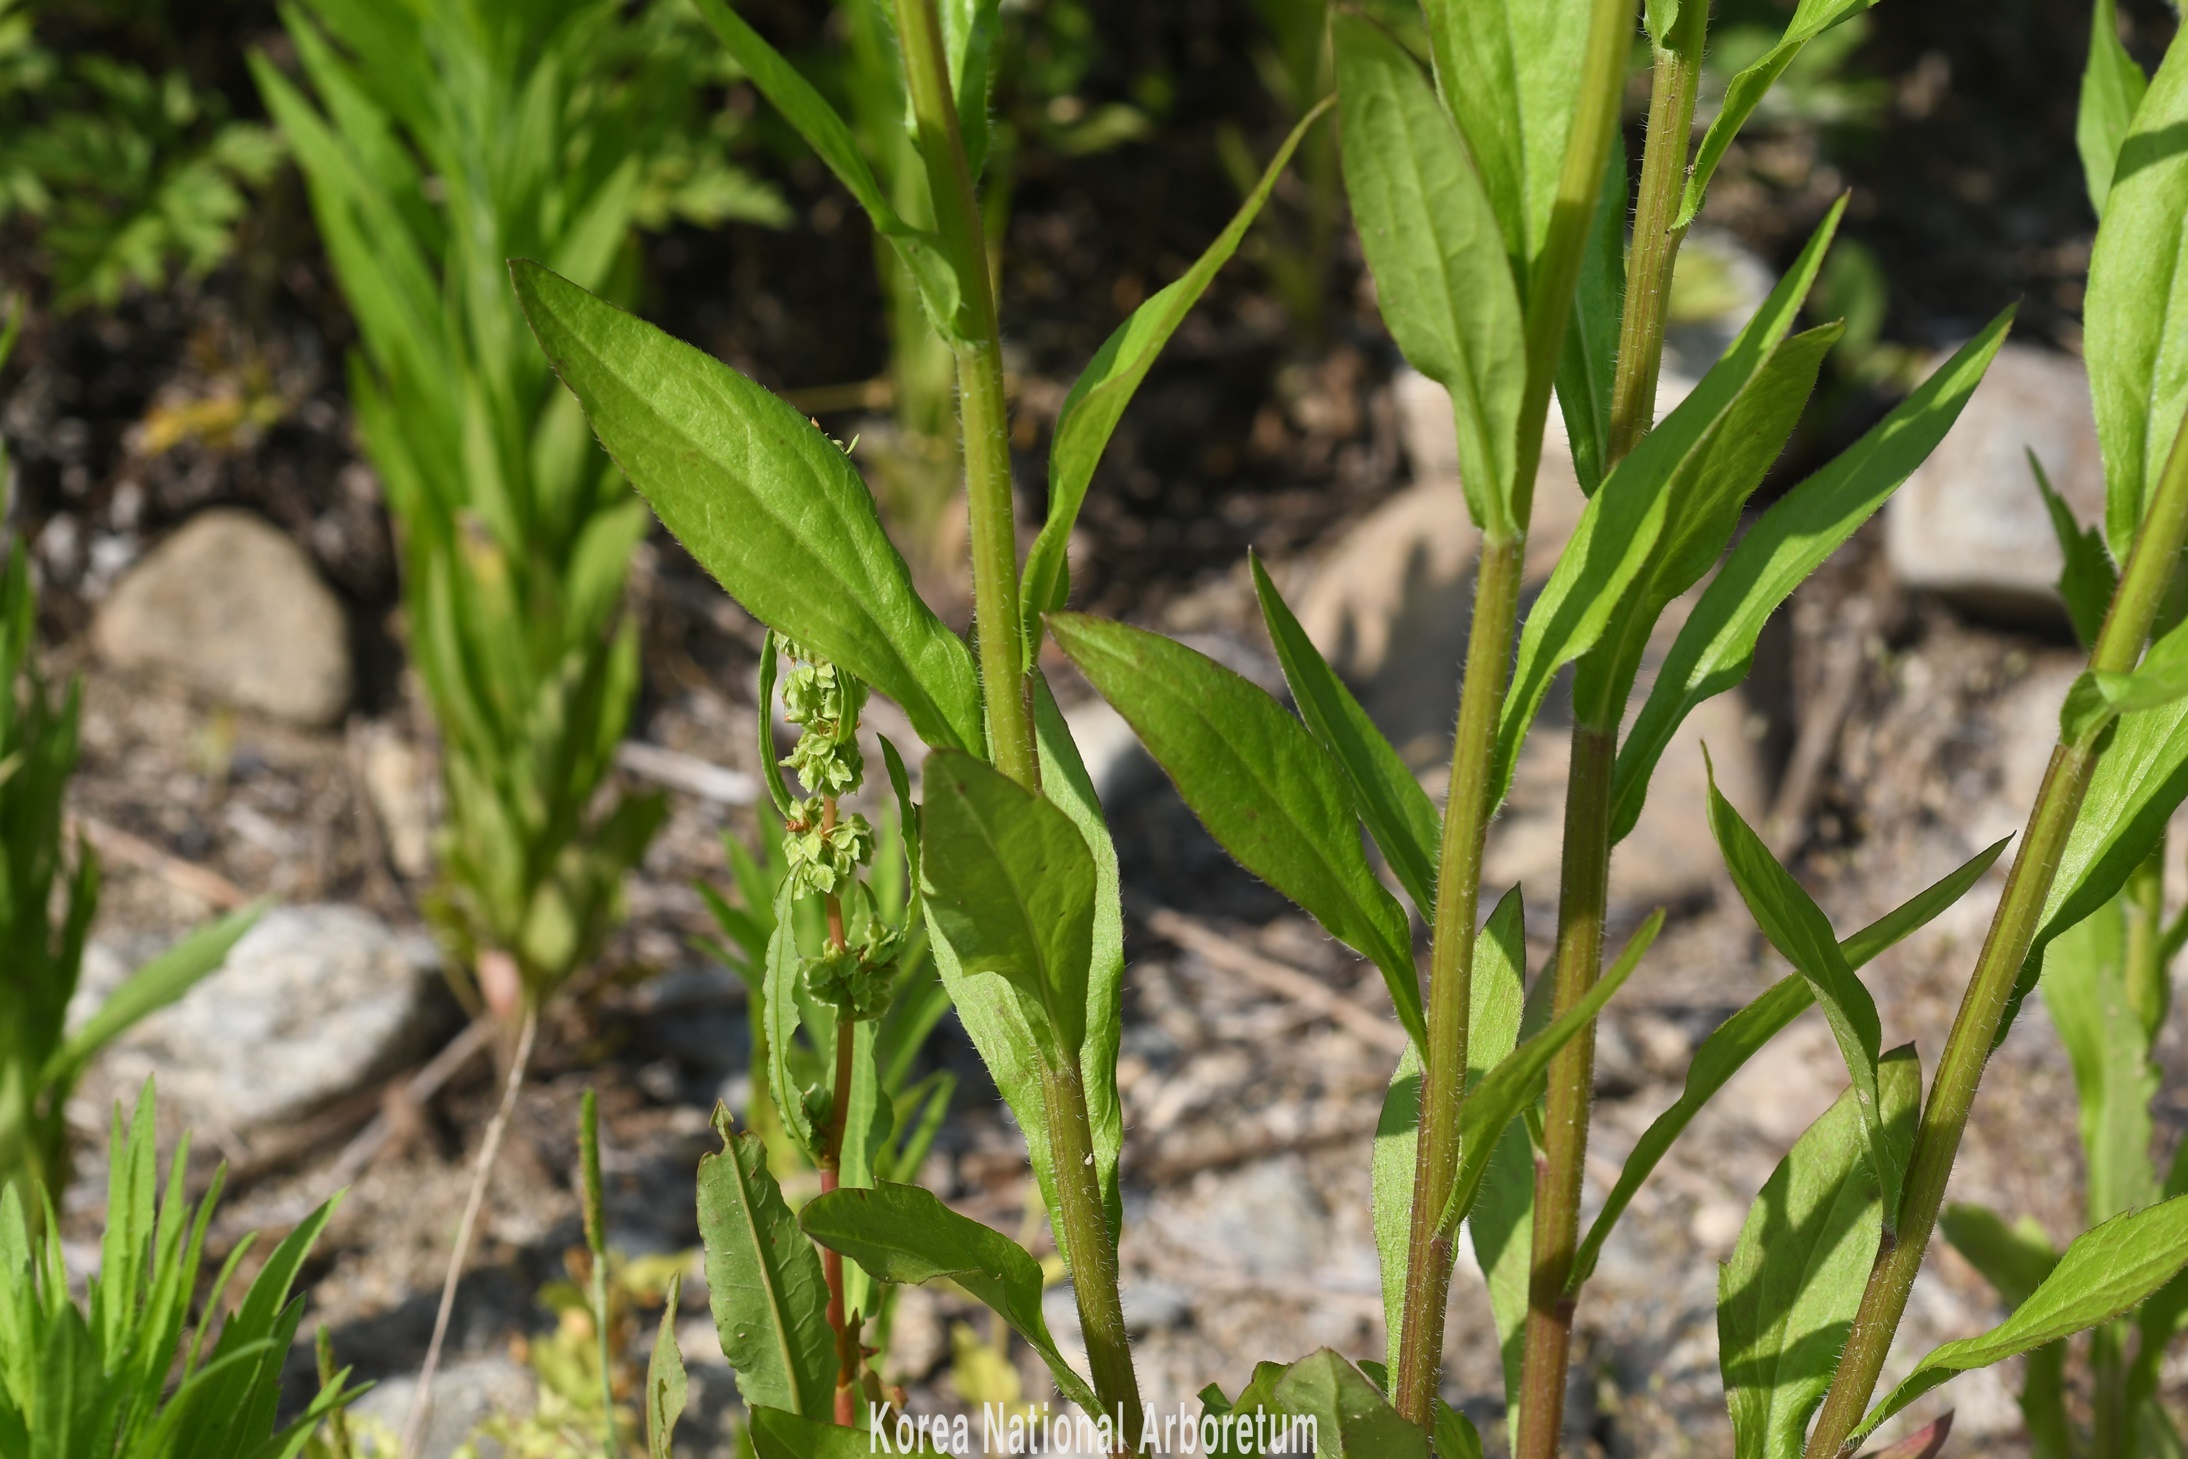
1624,523
1259,782
2160,679
2136,315
779,1434
989,1008
666,1383
2103,1274
1511,73
1501,1222
1010,883
2087,578
1517,1079
1398,812
764,1281
2085,984
1492,1029
902,1233
1739,1038
2112,87
153,986
2015,1260
1746,91
1587,367
1351,1419
830,137
1106,386
1799,931
1433,243
1717,645
1788,1295
766,503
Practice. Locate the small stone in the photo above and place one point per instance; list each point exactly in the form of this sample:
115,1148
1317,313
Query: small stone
1969,523
324,998
465,1394
396,783
234,610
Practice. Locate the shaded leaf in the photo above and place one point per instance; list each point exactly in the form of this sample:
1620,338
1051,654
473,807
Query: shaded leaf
665,1379
1587,367
779,1434
2087,577
764,1281
1351,1419
2112,87
2013,1259
2086,992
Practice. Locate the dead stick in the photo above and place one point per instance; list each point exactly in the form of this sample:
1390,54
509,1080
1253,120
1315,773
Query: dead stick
1280,978
421,1402
202,882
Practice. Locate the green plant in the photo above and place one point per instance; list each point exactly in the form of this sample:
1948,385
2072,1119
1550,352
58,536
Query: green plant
46,907
118,1376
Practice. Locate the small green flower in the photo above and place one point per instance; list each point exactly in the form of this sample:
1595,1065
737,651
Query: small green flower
856,979
824,861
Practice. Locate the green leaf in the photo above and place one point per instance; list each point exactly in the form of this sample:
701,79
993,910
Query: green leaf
1398,812
764,1281
989,1008
1510,71
2136,314
1716,647
1516,1081
1500,955
1259,782
763,723
832,141
783,989
665,1380
1745,92
2103,1274
1802,935
780,1434
152,987
2013,1259
902,1233
2085,984
1351,1419
1433,243
2159,680
766,503
1787,1297
2087,578
1456,1436
1090,413
1010,883
2112,87
1588,365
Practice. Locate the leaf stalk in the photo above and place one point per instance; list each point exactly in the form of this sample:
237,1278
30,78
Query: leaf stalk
2135,605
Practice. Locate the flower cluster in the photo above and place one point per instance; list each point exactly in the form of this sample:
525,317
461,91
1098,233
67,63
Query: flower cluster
857,979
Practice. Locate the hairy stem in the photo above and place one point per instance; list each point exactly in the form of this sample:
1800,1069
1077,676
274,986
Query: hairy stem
981,403
839,1320
1467,807
421,1403
1093,1248
2013,929
1584,873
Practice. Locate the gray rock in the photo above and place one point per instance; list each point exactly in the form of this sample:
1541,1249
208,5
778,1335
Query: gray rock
323,1000
234,610
1969,523
465,1394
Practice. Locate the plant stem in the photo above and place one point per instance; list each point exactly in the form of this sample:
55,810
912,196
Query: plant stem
2013,929
1092,1248
839,1320
421,1402
1583,887
596,1245
1467,807
981,405
1584,871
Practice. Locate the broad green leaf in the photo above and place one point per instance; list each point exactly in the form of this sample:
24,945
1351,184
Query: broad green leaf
1259,782
902,1233
1745,92
1787,1297
1624,523
665,1380
2087,578
1797,928
766,503
1717,645
2013,1259
1456,1436
989,1008
2103,1274
1434,245
1516,1081
1492,1029
1106,386
2112,87
2086,993
1010,883
764,1281
1351,1419
1588,365
1398,812
832,141
1510,71
780,1434
151,987
2160,679
2136,314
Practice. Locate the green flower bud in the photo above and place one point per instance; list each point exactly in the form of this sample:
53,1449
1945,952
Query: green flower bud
825,861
